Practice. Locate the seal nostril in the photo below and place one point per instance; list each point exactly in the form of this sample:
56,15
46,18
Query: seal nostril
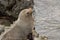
27,12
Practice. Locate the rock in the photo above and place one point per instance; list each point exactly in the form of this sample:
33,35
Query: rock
1,29
11,8
5,22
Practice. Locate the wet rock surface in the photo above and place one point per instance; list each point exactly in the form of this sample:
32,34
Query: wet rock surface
47,17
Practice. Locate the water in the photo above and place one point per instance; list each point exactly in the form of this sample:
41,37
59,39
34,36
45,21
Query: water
47,18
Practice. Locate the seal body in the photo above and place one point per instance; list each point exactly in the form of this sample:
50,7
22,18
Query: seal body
22,27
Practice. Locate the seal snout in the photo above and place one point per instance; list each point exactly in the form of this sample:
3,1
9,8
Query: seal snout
30,10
